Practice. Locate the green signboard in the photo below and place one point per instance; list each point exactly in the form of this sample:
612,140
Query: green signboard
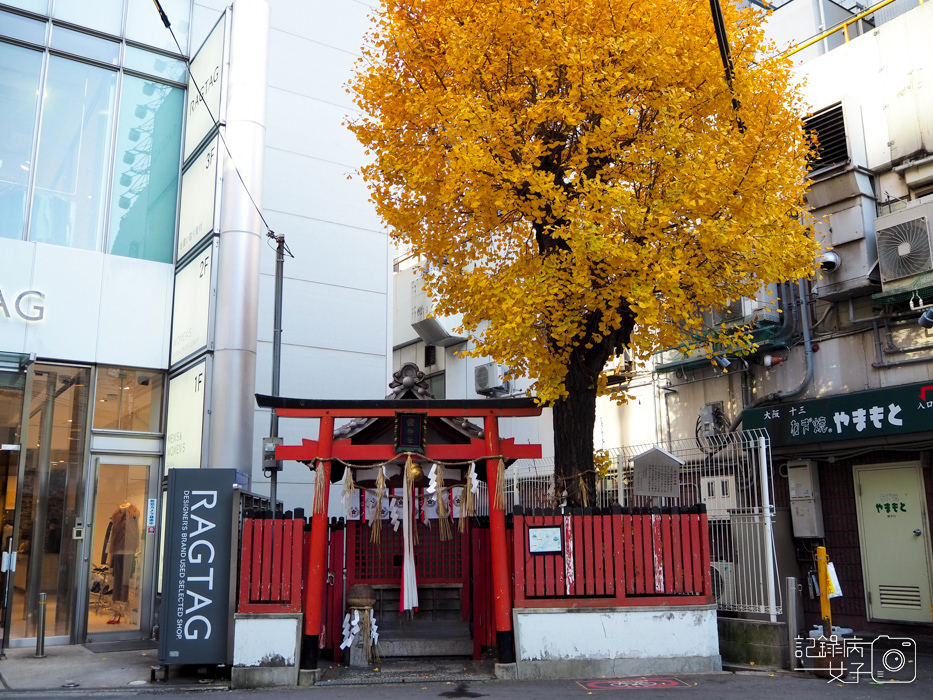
897,410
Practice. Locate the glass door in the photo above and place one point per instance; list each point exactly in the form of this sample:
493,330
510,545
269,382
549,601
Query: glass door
50,497
12,392
121,530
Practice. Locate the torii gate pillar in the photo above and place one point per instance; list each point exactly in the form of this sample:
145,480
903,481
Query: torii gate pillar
505,636
317,563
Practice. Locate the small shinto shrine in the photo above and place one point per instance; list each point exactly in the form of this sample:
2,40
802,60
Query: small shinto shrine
410,465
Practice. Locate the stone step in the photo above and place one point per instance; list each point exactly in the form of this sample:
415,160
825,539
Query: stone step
424,646
416,638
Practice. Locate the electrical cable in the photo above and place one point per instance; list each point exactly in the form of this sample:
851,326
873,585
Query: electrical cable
220,133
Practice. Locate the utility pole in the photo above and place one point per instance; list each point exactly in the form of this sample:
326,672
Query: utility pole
270,464
719,24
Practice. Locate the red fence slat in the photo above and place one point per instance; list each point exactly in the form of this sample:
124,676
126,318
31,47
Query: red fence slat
628,540
599,573
685,541
677,555
695,553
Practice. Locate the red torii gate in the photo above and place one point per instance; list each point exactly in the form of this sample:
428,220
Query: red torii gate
489,449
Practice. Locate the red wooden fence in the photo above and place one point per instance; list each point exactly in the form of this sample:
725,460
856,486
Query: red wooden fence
271,564
436,560
627,557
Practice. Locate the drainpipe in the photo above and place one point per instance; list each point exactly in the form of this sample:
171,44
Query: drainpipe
892,348
825,42
808,352
881,363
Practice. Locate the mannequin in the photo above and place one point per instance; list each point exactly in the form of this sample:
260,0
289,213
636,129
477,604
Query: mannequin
123,541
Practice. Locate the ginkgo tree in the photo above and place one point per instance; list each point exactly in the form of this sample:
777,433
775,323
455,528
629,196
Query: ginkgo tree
582,179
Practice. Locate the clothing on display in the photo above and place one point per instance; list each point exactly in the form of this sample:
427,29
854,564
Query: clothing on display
120,545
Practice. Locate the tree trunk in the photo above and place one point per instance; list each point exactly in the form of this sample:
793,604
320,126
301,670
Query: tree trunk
574,418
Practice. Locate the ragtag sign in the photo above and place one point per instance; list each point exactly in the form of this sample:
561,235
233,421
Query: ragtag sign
196,615
898,410
633,683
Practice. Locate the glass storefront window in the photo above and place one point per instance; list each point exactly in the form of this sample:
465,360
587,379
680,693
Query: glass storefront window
74,155
52,497
128,399
155,64
144,26
22,28
145,187
81,44
40,7
115,590
19,89
107,16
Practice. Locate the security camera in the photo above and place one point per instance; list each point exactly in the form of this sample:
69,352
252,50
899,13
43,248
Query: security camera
828,261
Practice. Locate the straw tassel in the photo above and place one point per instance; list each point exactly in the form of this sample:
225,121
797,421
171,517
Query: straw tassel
583,497
412,476
319,487
442,520
499,502
467,500
375,535
348,487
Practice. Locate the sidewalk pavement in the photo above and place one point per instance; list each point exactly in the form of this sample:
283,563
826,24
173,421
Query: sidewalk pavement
79,668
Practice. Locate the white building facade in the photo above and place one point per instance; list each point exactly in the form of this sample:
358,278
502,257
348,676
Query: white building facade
137,279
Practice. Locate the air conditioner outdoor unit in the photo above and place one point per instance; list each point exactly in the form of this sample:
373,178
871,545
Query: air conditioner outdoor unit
904,248
489,380
724,583
761,309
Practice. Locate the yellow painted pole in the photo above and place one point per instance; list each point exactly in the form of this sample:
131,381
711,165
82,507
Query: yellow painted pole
823,578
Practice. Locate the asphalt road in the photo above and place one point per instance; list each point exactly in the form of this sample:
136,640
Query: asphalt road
722,686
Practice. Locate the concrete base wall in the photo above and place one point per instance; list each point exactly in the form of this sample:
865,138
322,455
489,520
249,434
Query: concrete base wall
243,678
754,641
573,642
266,647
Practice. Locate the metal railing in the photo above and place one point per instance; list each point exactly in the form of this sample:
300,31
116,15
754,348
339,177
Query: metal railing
842,26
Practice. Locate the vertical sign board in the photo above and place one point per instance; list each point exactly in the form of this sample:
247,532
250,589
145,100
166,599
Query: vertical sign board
196,575
205,85
184,424
194,290
199,190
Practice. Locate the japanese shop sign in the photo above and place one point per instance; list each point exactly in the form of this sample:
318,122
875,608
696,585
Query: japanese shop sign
894,411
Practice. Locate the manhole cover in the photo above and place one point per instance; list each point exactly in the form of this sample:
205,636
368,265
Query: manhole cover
632,683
